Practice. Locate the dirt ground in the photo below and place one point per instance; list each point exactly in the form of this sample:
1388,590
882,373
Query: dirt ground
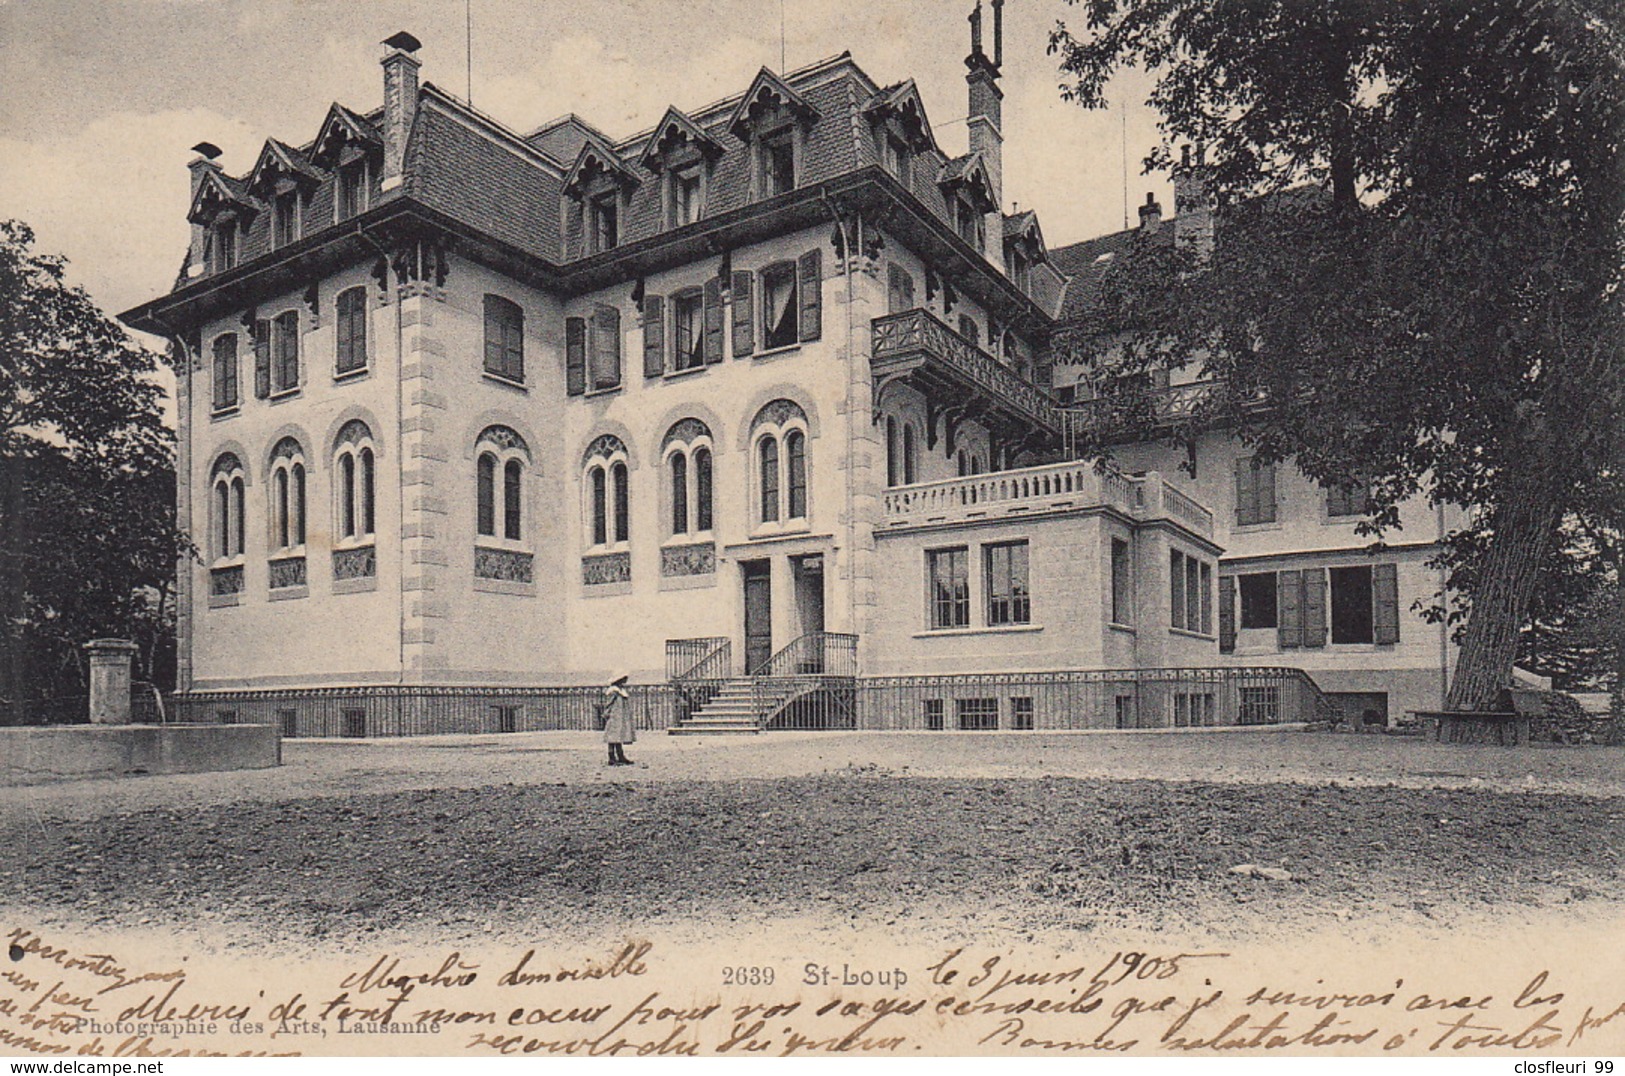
498,837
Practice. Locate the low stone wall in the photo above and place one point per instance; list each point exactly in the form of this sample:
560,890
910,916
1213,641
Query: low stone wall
67,752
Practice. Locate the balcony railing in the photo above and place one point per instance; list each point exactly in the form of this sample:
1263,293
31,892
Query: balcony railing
1031,491
1091,421
916,339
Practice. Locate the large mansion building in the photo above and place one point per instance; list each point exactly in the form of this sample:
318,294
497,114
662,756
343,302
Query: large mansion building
760,399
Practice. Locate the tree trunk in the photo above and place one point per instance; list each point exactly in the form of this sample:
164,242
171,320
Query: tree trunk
1506,577
1616,731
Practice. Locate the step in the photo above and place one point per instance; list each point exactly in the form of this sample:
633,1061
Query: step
705,730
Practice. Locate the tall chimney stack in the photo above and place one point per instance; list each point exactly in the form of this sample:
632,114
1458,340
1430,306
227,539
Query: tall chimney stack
985,118
1193,203
400,103
1150,213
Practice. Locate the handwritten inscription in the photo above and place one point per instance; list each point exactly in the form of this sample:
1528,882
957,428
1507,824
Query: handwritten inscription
639,999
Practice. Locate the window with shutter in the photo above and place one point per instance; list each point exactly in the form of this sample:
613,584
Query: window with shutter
575,356
504,339
812,295
1385,603
779,306
744,327
606,348
1352,605
351,331
1290,601
285,342
1255,491
654,336
1314,607
262,358
1347,500
688,330
1227,614
1259,601
712,309
225,371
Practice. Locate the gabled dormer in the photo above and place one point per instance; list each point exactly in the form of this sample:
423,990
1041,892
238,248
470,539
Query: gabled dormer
772,119
352,148
595,192
902,132
284,179
968,190
682,154
1023,247
221,210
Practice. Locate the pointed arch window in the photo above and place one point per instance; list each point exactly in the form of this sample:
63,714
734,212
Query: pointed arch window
502,461
608,509
229,483
355,509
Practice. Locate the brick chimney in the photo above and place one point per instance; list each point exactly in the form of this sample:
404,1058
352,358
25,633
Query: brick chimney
400,102
985,118
1193,204
1150,213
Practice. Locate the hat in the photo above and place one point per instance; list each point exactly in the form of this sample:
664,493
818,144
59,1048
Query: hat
620,679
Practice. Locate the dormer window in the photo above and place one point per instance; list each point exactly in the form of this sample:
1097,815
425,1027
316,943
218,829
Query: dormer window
778,163
285,218
896,158
223,245
604,222
685,195
352,190
970,224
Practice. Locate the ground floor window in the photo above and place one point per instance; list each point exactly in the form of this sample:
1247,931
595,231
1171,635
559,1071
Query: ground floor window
933,715
1260,706
505,718
978,715
1008,599
950,587
1123,706
289,720
1257,600
1021,713
1193,709
1352,620
355,723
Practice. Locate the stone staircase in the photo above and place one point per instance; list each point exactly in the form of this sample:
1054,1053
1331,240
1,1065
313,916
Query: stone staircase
732,709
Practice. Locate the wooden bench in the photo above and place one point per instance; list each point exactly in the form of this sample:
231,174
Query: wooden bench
1508,724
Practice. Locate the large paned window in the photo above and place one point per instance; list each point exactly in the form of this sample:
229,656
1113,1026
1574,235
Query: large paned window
1258,601
688,330
779,306
1122,583
1190,593
1009,601
949,579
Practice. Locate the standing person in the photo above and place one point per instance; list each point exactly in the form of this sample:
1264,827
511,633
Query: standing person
618,730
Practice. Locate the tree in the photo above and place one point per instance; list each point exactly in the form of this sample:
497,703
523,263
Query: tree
1416,281
87,484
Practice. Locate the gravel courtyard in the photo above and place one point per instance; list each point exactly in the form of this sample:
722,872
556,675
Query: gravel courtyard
502,836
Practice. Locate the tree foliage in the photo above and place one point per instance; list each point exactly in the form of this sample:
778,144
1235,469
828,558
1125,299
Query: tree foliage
87,485
1416,278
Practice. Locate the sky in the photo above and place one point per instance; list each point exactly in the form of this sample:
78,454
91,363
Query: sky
103,99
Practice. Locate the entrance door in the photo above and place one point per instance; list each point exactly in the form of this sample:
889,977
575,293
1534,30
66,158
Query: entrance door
809,589
758,613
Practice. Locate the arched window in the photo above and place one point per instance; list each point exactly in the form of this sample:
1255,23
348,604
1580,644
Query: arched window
225,371
355,493
779,439
768,447
678,463
687,452
500,451
795,443
892,458
228,481
287,496
608,509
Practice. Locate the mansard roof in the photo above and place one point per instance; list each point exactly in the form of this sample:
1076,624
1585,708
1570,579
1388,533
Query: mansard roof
674,129
902,100
279,158
597,156
970,174
342,126
768,91
217,191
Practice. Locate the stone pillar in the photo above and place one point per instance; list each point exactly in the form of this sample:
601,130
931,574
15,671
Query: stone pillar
110,680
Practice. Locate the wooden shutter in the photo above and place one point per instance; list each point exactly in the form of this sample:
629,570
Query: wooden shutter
493,335
1314,607
262,358
1246,492
575,356
1385,603
811,292
606,328
654,336
1264,491
711,307
1227,614
1289,602
744,310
